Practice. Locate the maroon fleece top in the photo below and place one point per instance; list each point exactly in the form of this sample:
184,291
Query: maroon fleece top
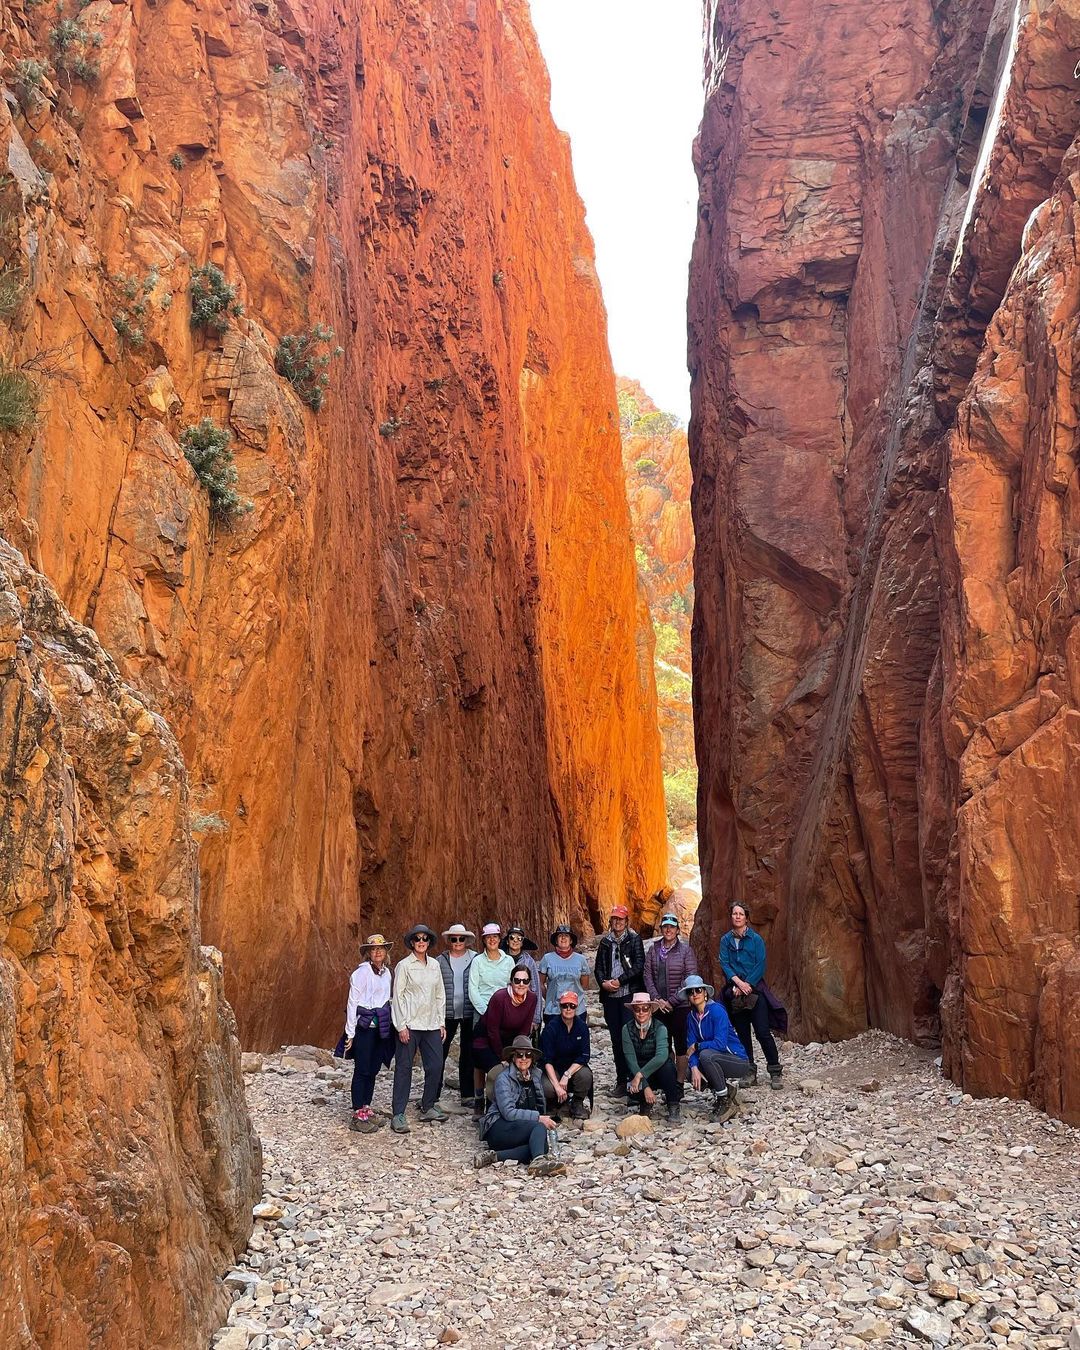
503,1021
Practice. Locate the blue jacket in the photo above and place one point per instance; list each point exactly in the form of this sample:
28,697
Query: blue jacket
561,1048
508,1090
745,957
712,1031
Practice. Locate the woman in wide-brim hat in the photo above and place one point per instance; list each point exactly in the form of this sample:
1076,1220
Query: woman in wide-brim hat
515,1128
418,1007
717,1058
564,969
368,1039
647,1048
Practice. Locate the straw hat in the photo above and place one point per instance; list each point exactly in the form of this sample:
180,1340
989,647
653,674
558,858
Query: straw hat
457,930
375,940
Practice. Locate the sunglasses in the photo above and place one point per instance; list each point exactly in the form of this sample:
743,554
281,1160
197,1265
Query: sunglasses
420,938
456,940
694,992
567,1005
524,1055
522,980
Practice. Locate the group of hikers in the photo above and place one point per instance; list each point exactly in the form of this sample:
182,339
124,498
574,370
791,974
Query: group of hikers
523,1033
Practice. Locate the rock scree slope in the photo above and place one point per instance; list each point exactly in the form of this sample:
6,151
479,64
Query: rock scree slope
887,696
405,681
128,1163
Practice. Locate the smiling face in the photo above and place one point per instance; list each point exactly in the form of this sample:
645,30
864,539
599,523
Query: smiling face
564,944
668,933
522,1061
515,942
698,998
491,943
642,1013
567,1011
739,920
618,924
421,945
456,945
377,957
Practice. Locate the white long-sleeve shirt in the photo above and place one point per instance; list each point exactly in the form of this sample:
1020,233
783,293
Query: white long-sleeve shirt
366,990
419,999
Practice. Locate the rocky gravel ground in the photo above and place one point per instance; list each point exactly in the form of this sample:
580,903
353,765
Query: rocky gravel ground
869,1203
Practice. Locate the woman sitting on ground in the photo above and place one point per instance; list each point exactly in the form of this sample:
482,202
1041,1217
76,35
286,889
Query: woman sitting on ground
369,1035
510,1013
647,1048
717,1057
515,1128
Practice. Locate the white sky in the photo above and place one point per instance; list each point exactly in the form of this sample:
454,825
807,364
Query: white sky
626,85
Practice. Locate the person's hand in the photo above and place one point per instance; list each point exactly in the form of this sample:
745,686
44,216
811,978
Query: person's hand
547,1122
742,986
560,1092
612,986
348,1043
442,1033
403,1035
695,1078
664,1005
650,1096
635,1083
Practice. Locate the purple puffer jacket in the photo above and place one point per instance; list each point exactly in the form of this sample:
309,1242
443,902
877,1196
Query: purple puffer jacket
679,963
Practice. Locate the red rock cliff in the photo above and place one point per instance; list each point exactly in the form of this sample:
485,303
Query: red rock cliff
885,719
128,1166
406,681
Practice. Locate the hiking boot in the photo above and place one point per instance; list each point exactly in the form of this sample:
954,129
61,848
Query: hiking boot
400,1125
579,1111
468,1103
644,1109
775,1070
545,1166
363,1121
674,1112
485,1158
749,1079
724,1107
619,1090
434,1113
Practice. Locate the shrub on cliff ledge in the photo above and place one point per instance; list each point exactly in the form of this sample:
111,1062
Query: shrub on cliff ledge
206,449
300,358
680,794
18,399
213,300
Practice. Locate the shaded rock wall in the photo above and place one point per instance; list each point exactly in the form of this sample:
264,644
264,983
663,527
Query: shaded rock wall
858,231
128,1165
406,681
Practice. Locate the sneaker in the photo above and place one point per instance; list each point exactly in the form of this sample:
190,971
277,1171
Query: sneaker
724,1108
749,1079
619,1090
579,1111
547,1167
434,1113
674,1111
774,1078
485,1158
363,1121
400,1125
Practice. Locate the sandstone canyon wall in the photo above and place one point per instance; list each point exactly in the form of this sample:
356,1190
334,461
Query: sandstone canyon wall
128,1165
885,503
405,682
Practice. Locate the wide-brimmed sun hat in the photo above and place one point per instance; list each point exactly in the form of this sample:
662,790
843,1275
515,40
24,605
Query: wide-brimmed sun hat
527,944
564,928
520,1045
640,1000
696,982
457,930
669,918
419,930
376,940
491,930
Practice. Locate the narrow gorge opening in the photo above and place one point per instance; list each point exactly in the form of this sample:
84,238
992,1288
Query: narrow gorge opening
631,120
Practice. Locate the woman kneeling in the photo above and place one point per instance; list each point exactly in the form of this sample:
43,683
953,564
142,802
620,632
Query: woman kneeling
515,1127
648,1060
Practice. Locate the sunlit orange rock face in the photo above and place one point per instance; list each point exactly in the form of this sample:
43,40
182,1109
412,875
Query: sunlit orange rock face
128,1165
884,481
657,466
405,682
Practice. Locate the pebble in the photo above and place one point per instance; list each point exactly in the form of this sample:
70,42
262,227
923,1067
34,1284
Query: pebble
813,1220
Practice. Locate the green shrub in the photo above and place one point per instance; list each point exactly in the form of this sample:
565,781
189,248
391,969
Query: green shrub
656,424
213,300
629,412
67,33
28,79
206,449
128,332
672,684
646,466
679,604
12,291
667,639
18,399
300,358
680,794
177,160
641,558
